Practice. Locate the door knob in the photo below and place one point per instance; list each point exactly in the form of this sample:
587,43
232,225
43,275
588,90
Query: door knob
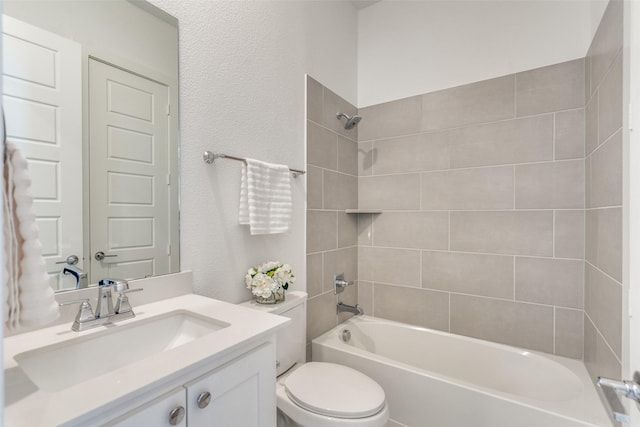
100,256
203,399
71,260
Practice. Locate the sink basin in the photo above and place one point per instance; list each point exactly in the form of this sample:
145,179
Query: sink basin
62,365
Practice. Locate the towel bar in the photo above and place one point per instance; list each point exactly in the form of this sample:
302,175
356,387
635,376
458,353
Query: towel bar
209,158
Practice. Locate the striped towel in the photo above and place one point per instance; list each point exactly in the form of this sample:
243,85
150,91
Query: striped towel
265,197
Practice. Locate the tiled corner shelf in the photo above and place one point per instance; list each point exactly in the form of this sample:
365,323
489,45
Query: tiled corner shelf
363,211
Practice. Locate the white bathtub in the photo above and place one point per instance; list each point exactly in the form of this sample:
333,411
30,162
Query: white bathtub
437,379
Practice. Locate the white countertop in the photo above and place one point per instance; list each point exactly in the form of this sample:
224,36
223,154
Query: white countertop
102,393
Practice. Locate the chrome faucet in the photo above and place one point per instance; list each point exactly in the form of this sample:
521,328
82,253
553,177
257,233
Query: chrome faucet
105,312
357,310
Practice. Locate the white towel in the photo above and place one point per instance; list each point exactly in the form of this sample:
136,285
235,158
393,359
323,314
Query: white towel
30,301
265,197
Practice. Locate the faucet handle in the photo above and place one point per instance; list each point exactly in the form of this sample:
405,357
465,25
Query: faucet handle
123,305
85,313
118,284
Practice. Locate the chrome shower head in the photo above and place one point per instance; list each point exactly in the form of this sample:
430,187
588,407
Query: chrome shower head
351,121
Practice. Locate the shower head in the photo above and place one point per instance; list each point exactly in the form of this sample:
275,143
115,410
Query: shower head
351,121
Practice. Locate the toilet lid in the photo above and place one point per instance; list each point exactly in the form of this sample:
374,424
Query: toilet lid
334,390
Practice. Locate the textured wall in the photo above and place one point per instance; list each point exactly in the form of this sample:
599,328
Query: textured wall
482,192
411,47
603,341
332,187
242,91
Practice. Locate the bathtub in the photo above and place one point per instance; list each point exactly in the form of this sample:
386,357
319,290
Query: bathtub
437,379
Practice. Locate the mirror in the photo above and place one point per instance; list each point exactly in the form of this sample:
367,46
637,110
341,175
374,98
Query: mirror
90,94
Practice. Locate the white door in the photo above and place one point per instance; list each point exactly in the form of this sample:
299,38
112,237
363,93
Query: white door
129,163
43,108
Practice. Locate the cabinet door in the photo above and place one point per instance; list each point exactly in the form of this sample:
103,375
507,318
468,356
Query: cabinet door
167,410
242,393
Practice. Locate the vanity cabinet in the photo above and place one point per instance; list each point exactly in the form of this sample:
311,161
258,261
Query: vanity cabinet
238,393
159,412
241,393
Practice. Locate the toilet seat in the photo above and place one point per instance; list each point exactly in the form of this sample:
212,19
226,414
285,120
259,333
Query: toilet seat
334,390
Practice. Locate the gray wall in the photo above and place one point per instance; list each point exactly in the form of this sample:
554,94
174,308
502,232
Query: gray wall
603,166
332,187
482,191
501,207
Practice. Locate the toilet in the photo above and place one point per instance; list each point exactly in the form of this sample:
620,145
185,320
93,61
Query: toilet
318,394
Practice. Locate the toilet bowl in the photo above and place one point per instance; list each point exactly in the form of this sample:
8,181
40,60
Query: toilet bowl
318,394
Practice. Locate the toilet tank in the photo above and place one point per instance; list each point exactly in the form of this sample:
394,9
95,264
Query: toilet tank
291,340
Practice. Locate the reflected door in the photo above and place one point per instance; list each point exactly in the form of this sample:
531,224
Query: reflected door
129,163
43,110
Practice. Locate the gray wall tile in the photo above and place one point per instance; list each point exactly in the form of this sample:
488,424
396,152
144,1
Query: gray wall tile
479,102
314,274
550,281
400,117
347,230
314,100
421,307
591,124
587,76
340,191
553,88
603,301
598,358
480,188
332,104
322,146
569,234
475,274
365,229
347,156
389,192
503,232
421,230
413,153
610,102
513,141
605,184
314,187
508,322
340,261
365,297
550,185
322,231
395,266
321,315
569,134
603,240
569,333
367,156
606,43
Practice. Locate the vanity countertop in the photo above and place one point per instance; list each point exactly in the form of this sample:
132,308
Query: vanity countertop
29,406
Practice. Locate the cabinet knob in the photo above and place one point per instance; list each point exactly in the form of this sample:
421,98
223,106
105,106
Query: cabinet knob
176,415
204,399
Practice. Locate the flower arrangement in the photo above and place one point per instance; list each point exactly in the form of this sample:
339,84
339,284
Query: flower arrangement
269,281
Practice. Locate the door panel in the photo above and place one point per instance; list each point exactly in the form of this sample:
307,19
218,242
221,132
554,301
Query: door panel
129,146
43,110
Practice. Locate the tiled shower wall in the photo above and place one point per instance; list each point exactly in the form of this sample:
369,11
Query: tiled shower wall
603,166
487,194
482,194
332,187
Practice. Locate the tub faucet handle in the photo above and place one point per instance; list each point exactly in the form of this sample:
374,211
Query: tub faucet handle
340,283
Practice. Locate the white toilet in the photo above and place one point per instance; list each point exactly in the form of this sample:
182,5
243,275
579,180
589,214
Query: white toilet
317,394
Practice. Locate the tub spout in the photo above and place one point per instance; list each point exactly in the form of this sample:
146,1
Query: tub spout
357,310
